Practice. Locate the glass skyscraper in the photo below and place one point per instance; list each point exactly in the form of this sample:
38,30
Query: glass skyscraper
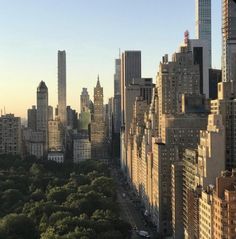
203,22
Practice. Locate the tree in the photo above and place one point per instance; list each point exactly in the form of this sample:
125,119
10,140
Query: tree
104,185
37,170
11,198
15,226
57,194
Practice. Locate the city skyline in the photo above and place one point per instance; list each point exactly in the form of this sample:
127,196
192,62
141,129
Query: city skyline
30,47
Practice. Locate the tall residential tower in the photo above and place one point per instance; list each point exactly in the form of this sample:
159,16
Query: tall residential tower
98,125
203,22
62,87
42,112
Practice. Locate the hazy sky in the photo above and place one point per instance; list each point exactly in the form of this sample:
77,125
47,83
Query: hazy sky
91,32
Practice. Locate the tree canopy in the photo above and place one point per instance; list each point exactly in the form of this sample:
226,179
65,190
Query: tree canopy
45,200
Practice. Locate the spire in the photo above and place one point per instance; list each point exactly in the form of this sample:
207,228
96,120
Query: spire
98,82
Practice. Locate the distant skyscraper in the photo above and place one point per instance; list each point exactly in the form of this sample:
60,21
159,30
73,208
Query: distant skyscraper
32,118
117,97
98,124
117,82
72,118
84,101
42,110
62,87
203,22
229,41
130,69
42,107
50,112
201,57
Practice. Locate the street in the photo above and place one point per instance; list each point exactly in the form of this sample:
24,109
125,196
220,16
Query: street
129,211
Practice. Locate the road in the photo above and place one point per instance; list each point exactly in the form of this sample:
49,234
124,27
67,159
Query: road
129,212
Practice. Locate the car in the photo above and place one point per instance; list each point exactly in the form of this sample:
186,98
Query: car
143,234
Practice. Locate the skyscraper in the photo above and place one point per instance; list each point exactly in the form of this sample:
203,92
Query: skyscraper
98,124
62,87
117,81
117,97
42,107
84,100
200,52
203,23
130,69
229,40
42,111
32,117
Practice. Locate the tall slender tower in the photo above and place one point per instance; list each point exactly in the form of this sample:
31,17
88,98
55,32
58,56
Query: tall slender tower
130,72
229,41
99,150
203,22
130,69
42,112
117,97
62,87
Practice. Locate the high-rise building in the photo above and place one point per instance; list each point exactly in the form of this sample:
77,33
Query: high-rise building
117,79
117,96
98,125
211,151
229,41
130,69
55,140
81,147
72,118
42,112
62,87
175,78
203,23
33,143
84,101
225,105
50,112
224,206
191,194
177,199
206,214
32,118
10,135
215,77
142,87
200,53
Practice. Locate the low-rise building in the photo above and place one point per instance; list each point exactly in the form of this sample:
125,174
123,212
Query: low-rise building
57,157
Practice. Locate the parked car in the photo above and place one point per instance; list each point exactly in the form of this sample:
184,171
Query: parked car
143,234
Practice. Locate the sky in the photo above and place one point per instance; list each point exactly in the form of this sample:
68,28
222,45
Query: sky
91,32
